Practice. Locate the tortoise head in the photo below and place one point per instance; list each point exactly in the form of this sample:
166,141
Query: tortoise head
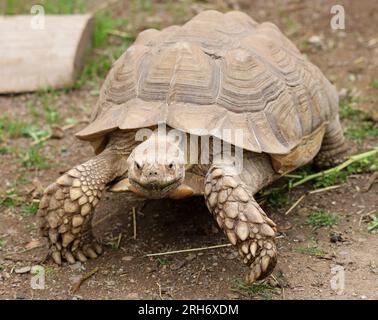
156,167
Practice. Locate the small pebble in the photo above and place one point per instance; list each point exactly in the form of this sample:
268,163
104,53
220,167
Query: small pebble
190,257
316,41
77,266
22,270
232,256
127,258
343,92
335,237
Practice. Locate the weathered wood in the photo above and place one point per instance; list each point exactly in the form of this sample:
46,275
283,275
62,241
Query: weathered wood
34,59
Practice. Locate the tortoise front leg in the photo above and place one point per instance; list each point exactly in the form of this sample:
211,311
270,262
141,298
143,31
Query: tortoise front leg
246,225
67,206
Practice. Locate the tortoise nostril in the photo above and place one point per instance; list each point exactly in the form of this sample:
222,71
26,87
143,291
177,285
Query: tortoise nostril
153,173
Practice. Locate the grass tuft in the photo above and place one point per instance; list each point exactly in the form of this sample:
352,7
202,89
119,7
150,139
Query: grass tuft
361,125
33,158
362,130
313,251
11,128
277,197
2,243
162,262
373,224
321,219
347,108
260,289
30,210
8,150
11,199
11,7
330,179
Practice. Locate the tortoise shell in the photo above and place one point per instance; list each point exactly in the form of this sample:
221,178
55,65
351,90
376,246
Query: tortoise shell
217,71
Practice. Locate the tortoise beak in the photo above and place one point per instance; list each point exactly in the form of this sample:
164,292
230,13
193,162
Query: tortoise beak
181,192
123,185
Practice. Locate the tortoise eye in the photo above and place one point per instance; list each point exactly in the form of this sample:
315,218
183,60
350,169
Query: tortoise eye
170,166
138,165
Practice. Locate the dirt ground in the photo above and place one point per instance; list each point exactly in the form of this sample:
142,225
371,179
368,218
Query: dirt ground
349,58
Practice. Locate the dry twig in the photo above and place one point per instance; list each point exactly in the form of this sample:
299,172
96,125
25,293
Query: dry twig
159,286
296,203
370,182
325,189
83,278
188,250
134,224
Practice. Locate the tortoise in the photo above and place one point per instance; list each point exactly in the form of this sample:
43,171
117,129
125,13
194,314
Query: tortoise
219,72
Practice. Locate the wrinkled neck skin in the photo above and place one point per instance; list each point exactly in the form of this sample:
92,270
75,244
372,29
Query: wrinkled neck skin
157,165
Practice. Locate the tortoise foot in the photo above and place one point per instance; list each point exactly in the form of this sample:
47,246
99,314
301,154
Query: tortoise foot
243,221
330,158
66,210
260,256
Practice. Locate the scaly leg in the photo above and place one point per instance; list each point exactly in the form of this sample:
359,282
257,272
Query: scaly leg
67,206
334,149
230,198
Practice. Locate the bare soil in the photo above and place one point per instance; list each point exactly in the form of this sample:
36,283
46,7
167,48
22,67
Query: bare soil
124,271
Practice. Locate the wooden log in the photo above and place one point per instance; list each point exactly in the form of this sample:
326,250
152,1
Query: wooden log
33,59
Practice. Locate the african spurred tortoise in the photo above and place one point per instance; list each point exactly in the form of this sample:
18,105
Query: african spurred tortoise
216,74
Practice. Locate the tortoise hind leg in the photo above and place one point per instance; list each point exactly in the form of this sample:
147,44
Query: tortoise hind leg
67,206
334,149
